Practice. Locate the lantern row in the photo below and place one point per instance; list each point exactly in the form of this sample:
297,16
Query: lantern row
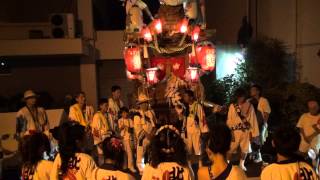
203,53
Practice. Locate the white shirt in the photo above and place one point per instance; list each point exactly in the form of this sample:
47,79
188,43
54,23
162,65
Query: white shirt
26,120
103,174
82,167
140,122
114,108
125,124
263,105
99,127
196,109
167,170
41,172
288,171
306,122
84,117
250,115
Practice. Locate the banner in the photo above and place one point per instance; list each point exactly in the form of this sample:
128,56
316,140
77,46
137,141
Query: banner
174,64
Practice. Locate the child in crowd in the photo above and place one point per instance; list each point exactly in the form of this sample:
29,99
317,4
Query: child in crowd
289,165
217,147
100,127
168,156
71,162
32,148
113,151
126,131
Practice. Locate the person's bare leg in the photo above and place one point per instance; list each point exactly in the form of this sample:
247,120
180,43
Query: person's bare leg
242,161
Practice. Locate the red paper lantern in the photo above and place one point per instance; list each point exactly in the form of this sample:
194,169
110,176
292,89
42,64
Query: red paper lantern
147,34
195,33
158,25
132,58
192,74
152,76
206,55
184,25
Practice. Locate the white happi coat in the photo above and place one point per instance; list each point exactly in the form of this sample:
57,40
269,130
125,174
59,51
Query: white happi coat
27,122
80,168
167,170
114,108
40,172
84,117
309,123
250,116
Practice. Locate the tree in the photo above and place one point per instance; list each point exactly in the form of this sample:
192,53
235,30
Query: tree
266,63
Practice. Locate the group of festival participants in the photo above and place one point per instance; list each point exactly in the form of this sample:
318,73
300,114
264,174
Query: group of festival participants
120,143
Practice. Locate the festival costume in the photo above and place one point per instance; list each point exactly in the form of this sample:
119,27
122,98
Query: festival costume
114,109
243,123
167,170
81,167
261,107
40,172
108,172
144,123
29,121
309,123
196,125
127,137
100,130
288,170
84,117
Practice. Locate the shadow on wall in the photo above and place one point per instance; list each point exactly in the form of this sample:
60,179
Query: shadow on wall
45,100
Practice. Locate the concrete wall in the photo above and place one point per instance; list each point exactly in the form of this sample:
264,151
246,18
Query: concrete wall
296,22
226,16
33,10
57,76
112,72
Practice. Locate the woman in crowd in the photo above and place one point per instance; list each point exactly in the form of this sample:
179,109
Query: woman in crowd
289,165
217,147
32,148
113,151
71,162
168,156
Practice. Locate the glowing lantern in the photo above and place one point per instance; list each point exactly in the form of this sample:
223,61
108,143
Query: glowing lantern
184,25
130,75
192,74
132,58
147,34
195,33
152,77
158,25
206,56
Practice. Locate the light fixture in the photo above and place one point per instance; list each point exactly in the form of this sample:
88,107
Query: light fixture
152,77
184,25
158,25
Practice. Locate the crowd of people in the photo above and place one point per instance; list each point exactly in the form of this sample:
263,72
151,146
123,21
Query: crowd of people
116,142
